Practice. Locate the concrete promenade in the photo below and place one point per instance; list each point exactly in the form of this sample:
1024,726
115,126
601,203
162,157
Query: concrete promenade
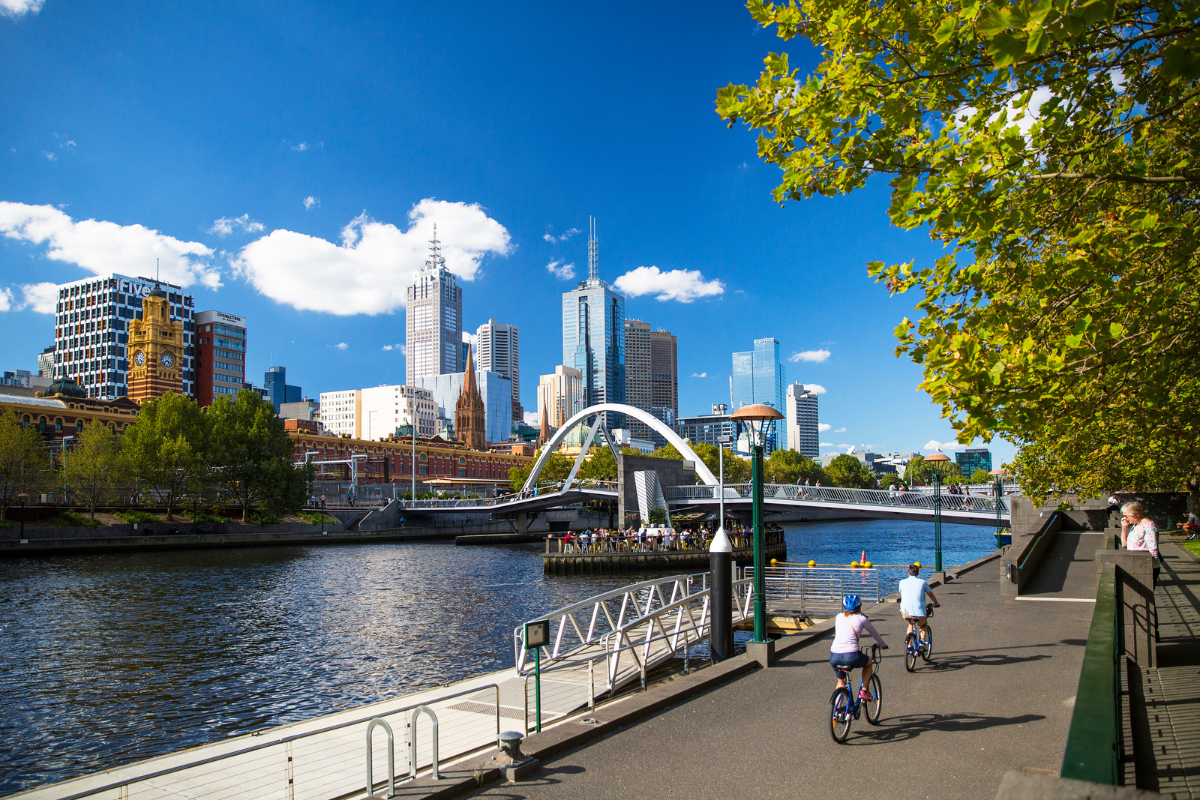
997,696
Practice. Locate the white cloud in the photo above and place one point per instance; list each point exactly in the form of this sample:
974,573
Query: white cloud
684,285
532,419
822,427
49,156
550,237
815,388
825,444
699,374
403,348
15,8
6,300
68,143
934,444
812,356
311,202
847,446
840,430
368,272
564,272
225,225
41,297
300,148
342,346
106,247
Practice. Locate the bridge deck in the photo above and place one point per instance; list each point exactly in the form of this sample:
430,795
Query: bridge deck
997,696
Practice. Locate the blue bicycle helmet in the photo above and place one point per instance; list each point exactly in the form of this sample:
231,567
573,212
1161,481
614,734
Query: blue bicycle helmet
852,602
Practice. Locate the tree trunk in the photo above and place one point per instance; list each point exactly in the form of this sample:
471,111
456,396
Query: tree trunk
170,507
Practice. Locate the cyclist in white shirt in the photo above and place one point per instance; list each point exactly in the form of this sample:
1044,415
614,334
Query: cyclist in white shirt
913,590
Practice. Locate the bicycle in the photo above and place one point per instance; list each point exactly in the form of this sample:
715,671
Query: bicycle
845,706
917,645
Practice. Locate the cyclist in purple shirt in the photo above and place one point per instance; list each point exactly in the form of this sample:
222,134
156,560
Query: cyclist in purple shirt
844,653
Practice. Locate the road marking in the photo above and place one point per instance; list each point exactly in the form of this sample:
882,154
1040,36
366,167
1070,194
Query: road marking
1059,599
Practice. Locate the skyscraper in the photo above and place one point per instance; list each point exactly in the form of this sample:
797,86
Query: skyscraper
220,355
800,414
433,320
594,335
91,332
498,346
560,396
758,377
664,371
637,374
278,389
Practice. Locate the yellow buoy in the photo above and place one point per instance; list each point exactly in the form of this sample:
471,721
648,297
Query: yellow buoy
853,565
774,561
867,564
812,563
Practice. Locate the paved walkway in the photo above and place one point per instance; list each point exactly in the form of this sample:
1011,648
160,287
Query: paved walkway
998,696
1173,690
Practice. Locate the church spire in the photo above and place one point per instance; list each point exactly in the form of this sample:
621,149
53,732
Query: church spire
470,418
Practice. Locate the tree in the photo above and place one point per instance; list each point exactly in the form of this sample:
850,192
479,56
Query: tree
600,466
1051,147
253,455
981,475
737,469
167,448
847,471
889,480
94,470
917,471
789,466
556,469
24,461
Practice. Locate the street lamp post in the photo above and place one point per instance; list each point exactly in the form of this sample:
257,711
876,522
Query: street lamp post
720,565
938,459
23,498
759,417
998,491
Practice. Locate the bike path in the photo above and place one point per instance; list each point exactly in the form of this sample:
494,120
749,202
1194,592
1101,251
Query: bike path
997,696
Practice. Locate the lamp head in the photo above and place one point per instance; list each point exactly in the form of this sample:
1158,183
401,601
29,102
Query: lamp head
759,417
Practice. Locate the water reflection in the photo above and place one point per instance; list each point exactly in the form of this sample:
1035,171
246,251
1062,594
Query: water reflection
107,659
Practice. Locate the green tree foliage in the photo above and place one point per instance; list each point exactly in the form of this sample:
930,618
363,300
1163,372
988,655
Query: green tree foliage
847,471
24,461
253,455
889,480
980,476
556,469
667,451
789,466
600,465
167,448
94,470
737,469
1050,146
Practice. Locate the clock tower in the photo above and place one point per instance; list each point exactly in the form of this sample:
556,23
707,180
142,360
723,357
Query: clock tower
155,350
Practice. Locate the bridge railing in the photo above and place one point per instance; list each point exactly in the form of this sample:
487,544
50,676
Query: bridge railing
824,494
816,590
501,500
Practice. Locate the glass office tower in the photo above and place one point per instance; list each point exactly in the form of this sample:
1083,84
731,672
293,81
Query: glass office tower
593,318
759,377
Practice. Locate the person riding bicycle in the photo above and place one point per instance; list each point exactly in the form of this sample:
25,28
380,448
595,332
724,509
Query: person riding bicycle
844,654
913,590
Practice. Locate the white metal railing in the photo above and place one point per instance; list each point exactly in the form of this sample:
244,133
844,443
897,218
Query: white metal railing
823,494
597,487
326,762
816,590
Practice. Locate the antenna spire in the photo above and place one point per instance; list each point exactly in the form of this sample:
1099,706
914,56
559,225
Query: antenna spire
435,257
593,251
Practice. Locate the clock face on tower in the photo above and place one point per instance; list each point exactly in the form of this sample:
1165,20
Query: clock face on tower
139,358
167,360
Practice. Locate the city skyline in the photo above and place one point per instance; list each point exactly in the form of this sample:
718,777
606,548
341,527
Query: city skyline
283,210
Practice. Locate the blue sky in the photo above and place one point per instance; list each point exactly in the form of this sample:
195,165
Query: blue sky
288,159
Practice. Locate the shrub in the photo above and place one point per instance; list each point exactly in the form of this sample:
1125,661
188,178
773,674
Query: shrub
316,519
136,516
69,518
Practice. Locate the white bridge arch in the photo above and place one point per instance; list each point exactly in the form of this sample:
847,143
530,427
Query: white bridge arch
598,426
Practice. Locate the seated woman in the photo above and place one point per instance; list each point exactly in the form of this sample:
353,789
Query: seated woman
1138,532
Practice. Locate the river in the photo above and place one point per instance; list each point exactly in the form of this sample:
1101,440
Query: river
108,659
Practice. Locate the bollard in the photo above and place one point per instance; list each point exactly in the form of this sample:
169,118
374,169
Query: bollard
720,561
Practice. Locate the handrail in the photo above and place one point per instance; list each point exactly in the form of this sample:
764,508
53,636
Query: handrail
1037,537
1093,750
391,758
826,494
276,742
412,738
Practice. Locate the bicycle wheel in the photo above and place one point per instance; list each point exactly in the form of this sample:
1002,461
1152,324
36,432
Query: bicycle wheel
910,652
927,652
840,715
874,707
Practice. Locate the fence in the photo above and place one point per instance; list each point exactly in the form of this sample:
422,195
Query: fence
330,761
821,494
816,590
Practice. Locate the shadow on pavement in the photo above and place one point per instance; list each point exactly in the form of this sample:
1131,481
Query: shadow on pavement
910,726
950,664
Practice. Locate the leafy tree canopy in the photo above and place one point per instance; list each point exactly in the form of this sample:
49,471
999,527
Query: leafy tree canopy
94,469
24,461
737,469
789,466
847,471
168,447
981,476
1050,146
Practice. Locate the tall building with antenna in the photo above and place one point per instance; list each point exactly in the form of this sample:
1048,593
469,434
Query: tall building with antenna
594,334
433,320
